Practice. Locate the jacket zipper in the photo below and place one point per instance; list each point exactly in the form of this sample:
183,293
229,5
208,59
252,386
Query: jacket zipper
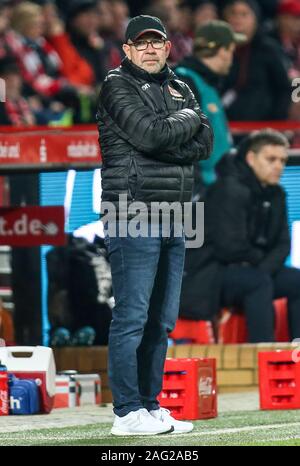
181,184
181,169
132,163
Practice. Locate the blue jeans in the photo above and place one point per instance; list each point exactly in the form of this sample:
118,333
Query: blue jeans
146,279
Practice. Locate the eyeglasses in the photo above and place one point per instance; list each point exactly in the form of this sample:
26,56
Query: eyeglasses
143,44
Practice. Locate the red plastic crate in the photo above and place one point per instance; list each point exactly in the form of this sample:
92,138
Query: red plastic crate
190,388
279,380
198,331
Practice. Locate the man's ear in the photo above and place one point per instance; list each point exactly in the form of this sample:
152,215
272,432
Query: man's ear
168,48
127,50
250,158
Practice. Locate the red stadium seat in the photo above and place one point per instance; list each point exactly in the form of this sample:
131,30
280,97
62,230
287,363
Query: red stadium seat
281,320
197,331
232,325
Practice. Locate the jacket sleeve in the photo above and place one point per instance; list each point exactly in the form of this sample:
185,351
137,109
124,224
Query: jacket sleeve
200,146
204,137
275,258
228,206
197,148
138,124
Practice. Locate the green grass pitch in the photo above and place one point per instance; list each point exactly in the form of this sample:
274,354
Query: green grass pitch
236,428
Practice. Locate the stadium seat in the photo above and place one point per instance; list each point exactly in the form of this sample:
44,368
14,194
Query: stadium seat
232,324
195,331
232,327
281,320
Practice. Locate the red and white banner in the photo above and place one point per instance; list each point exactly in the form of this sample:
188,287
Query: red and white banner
49,148
32,226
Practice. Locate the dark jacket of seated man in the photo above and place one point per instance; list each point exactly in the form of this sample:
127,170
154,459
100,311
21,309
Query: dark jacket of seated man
246,242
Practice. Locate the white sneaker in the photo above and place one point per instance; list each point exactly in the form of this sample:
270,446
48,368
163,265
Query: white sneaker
180,427
139,422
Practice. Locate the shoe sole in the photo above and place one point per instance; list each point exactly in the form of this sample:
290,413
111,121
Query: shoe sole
121,433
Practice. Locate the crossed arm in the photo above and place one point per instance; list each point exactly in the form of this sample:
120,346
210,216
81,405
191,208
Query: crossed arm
181,137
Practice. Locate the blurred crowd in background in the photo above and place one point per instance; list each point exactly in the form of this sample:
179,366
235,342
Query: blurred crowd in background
54,54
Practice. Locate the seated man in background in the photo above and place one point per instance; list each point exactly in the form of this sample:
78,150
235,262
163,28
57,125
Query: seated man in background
246,242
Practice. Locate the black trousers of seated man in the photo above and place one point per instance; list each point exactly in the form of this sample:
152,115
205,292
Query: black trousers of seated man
254,290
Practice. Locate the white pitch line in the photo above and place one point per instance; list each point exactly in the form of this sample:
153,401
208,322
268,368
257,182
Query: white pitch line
191,434
242,429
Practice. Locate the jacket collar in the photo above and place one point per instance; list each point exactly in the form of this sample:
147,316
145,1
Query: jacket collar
248,177
235,166
164,75
192,62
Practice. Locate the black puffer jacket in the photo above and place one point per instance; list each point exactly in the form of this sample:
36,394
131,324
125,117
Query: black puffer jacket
151,129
